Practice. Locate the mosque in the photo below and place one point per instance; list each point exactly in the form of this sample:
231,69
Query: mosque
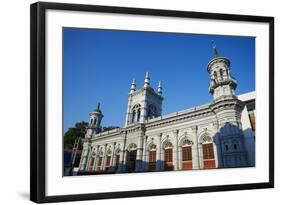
219,134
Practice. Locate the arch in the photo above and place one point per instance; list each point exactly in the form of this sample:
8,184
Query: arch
132,147
100,152
168,155
207,150
152,146
117,151
152,157
108,152
185,150
108,159
131,156
205,136
136,110
167,144
185,141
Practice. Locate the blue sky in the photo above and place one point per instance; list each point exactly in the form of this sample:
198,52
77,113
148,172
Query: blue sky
99,66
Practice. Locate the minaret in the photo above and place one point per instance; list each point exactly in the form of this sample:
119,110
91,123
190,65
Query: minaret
221,83
229,138
95,122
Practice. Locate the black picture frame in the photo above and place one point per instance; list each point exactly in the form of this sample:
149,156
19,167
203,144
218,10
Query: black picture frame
38,101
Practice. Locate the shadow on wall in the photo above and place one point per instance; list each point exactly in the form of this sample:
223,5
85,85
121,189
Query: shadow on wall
235,147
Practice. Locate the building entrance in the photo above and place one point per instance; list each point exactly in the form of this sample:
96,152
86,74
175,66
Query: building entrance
131,160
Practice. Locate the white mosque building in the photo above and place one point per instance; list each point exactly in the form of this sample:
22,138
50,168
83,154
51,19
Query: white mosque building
219,134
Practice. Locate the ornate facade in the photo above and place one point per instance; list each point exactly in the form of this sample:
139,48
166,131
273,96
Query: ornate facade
219,134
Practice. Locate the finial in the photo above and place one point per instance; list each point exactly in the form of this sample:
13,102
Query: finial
97,108
159,88
133,86
146,75
146,80
216,54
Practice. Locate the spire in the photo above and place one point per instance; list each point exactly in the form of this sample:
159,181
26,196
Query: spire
133,86
97,108
146,80
159,88
216,54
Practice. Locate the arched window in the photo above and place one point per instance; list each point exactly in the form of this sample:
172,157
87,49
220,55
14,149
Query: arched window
235,146
168,156
152,158
100,164
136,111
138,115
95,121
133,116
108,159
100,158
131,157
221,73
107,164
215,74
91,168
226,147
117,159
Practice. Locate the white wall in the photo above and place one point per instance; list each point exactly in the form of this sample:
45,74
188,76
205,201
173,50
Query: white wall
14,95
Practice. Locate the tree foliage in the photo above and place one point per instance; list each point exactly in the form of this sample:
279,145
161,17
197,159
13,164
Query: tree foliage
70,135
79,130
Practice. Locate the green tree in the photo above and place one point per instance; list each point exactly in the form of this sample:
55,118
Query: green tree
79,130
70,135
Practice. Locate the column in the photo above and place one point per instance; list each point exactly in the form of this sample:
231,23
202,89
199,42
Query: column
195,149
96,159
89,161
144,153
123,156
111,166
139,153
84,156
159,160
104,158
175,151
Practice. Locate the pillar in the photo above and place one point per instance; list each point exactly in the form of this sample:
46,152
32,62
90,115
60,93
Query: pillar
195,149
139,152
144,154
159,160
175,151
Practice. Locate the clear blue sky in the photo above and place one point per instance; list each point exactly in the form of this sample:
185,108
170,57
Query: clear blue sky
99,66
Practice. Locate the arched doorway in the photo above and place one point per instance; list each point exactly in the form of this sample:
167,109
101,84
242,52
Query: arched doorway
117,159
187,154
131,158
168,156
108,160
92,163
152,157
208,153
